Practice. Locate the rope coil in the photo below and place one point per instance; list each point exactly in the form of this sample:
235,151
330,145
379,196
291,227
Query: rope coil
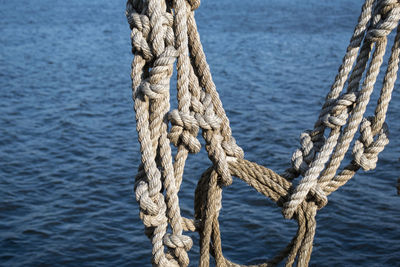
164,33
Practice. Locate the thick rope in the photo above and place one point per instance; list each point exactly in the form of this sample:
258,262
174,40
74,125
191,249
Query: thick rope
164,33
376,34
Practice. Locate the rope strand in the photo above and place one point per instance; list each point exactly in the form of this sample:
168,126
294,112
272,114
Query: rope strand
164,33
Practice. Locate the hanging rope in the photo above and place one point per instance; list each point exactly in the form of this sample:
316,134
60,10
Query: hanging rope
163,33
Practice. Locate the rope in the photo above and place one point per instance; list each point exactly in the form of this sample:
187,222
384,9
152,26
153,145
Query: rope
164,33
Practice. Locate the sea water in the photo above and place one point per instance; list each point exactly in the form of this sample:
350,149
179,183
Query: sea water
69,149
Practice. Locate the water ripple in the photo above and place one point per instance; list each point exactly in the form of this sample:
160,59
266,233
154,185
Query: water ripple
68,144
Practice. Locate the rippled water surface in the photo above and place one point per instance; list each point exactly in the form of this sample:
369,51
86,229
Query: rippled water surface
69,151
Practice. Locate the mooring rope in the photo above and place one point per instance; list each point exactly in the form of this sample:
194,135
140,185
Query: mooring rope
164,32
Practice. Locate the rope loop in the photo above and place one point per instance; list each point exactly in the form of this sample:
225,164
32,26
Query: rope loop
303,156
338,110
232,149
386,18
152,210
164,32
194,4
139,21
140,29
318,196
209,121
146,201
157,85
178,241
366,150
140,45
154,220
267,182
206,116
167,23
184,130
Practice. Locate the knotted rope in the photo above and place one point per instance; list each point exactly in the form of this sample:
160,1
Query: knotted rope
163,33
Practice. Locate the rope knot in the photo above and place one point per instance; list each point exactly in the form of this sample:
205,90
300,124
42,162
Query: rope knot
207,119
139,43
157,85
167,23
139,21
177,241
194,4
152,209
184,130
303,156
338,110
366,150
154,91
140,29
231,148
386,18
317,195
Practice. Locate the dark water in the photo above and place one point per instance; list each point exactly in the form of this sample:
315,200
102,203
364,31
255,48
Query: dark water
68,148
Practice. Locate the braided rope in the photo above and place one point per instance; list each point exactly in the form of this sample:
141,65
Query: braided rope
164,33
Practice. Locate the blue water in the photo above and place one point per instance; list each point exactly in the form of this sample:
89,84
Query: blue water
69,150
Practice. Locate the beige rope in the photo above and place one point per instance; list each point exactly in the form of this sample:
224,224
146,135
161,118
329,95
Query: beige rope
164,33
376,34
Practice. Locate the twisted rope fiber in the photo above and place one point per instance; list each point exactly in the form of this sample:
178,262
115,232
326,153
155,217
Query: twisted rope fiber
164,33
